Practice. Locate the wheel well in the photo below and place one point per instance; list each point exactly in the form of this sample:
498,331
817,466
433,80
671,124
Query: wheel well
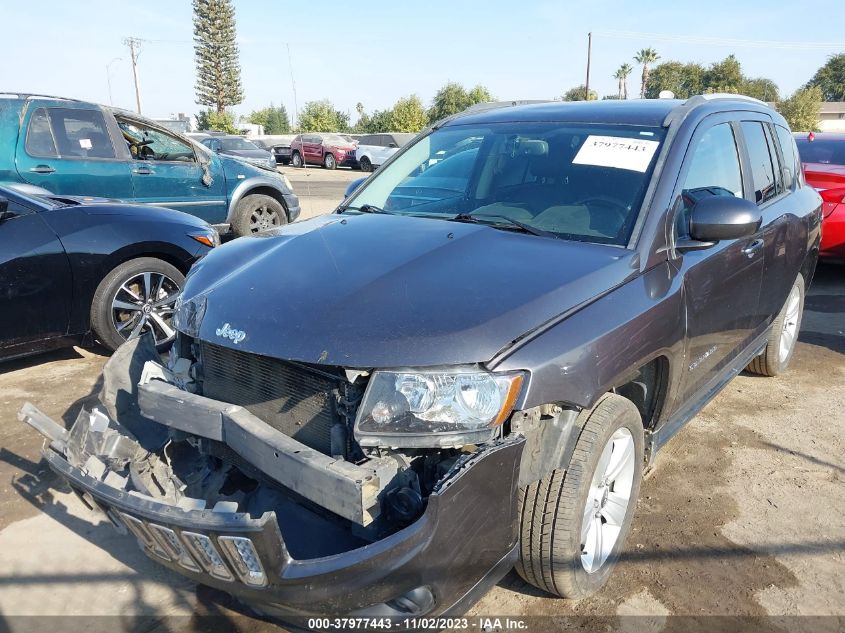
646,388
268,191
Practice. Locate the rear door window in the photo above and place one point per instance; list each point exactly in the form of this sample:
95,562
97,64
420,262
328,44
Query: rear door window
39,136
787,148
773,152
80,133
762,167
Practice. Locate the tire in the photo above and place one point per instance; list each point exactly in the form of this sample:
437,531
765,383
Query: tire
296,160
114,322
365,163
257,212
329,162
784,334
553,511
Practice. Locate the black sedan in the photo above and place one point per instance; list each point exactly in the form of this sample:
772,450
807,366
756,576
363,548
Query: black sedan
73,269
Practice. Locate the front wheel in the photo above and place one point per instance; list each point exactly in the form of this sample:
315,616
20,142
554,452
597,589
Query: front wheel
329,162
136,297
365,163
574,522
257,212
784,334
296,159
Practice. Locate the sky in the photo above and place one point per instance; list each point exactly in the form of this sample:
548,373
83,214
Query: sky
377,51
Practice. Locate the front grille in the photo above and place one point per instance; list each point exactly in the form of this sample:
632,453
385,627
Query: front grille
292,398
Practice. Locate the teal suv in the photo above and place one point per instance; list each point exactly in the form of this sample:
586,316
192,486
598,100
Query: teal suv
74,148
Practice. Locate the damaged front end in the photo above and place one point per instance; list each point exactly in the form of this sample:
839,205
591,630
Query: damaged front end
242,472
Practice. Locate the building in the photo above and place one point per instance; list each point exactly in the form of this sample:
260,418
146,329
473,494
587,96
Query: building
832,116
181,123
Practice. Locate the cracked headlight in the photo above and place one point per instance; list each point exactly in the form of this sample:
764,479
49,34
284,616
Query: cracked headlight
429,408
187,315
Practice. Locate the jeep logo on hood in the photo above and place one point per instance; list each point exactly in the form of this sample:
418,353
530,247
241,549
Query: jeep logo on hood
230,333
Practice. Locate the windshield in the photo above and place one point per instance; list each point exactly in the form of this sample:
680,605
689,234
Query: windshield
236,144
577,181
821,151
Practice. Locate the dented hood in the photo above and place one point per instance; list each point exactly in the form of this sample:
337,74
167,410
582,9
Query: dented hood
371,290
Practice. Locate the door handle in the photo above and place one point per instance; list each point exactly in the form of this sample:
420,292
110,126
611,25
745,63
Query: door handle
42,169
751,250
143,171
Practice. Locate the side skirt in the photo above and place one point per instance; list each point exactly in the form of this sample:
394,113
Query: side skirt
656,439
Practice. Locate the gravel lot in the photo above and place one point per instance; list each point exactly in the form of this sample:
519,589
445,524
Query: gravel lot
744,514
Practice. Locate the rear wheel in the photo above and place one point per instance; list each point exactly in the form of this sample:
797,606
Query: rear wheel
574,522
783,336
136,297
296,159
365,163
329,161
257,212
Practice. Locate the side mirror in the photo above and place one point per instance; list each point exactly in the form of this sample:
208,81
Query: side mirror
218,149
352,186
392,145
716,218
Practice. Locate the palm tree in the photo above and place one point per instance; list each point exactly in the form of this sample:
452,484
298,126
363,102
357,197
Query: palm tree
645,57
622,76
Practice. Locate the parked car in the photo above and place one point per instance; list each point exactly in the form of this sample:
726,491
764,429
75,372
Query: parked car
240,148
328,150
278,144
71,266
823,158
68,147
374,149
431,389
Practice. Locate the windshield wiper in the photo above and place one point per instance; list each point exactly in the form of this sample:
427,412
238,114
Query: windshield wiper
366,208
526,228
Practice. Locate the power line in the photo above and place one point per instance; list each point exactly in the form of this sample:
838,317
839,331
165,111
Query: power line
722,41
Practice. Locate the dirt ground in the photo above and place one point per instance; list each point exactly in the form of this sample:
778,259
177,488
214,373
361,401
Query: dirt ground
743,515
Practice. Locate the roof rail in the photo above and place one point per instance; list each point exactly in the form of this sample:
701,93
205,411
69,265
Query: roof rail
31,95
682,110
484,107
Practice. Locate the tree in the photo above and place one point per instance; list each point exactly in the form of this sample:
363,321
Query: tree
453,98
645,57
274,119
577,94
214,121
216,54
684,80
801,110
830,78
321,116
621,75
408,115
760,88
724,76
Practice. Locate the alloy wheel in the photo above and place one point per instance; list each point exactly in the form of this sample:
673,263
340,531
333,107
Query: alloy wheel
145,303
790,323
607,500
263,217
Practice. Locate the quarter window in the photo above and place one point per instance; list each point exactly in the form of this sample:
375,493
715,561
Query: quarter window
80,133
762,169
714,171
39,137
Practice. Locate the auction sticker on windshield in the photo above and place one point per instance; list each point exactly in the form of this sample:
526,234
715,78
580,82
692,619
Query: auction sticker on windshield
616,151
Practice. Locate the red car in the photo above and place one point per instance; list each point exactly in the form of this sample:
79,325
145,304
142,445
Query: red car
823,156
328,150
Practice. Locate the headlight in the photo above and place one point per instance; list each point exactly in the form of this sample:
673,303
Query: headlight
188,315
435,408
208,237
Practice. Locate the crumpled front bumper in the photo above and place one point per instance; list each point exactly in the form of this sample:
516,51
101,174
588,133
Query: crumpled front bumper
461,545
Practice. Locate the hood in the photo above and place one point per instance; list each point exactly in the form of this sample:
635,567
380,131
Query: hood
248,153
371,291
145,213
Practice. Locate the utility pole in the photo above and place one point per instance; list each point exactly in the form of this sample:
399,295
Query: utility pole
589,52
135,43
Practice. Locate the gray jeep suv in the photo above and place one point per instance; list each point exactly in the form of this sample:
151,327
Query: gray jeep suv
466,367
